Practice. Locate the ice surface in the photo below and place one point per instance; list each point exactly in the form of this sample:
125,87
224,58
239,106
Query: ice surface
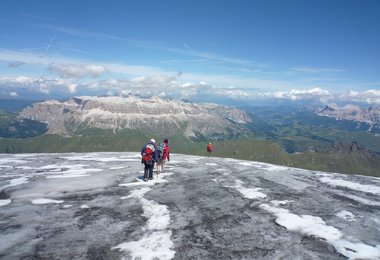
95,206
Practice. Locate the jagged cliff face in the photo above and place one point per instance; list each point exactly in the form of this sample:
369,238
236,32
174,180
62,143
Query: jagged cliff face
370,116
117,113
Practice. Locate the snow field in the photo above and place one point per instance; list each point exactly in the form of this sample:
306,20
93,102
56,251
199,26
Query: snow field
156,243
82,172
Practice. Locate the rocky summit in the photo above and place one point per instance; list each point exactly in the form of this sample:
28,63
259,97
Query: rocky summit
370,116
131,112
95,206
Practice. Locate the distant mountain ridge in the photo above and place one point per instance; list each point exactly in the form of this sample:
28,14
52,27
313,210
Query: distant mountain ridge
370,116
281,135
163,116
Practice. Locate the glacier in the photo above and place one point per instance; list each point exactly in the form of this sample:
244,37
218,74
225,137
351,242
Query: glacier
95,206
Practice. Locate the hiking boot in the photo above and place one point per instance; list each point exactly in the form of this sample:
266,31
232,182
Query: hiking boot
150,178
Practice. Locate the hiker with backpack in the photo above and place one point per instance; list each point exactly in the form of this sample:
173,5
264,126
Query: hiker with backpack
149,157
163,155
209,149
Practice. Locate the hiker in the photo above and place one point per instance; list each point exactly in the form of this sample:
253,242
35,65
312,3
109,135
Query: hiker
209,149
163,154
149,157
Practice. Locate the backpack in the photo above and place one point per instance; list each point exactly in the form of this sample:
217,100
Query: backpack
148,153
160,150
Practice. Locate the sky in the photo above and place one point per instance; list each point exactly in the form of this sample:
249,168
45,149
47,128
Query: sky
197,50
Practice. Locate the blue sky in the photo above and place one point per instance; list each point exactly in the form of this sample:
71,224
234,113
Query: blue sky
186,49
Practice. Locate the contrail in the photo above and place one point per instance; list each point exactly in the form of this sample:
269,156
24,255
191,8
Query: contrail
51,41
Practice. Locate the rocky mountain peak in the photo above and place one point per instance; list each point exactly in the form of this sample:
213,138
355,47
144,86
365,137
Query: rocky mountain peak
327,108
131,112
370,116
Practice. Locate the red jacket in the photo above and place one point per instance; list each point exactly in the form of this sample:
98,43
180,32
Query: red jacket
209,148
166,154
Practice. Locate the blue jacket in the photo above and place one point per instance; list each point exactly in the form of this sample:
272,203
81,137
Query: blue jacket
155,154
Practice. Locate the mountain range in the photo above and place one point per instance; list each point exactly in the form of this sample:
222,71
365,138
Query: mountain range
370,116
305,137
160,116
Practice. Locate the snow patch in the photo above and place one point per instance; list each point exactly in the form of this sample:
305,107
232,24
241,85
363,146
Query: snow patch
118,167
156,180
346,215
156,243
12,161
360,199
15,182
246,163
269,167
72,175
280,202
97,157
211,164
46,201
250,193
315,226
5,202
84,206
351,185
74,171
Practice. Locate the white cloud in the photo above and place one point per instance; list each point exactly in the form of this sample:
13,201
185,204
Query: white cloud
371,96
296,94
79,76
77,70
13,94
72,88
37,84
171,87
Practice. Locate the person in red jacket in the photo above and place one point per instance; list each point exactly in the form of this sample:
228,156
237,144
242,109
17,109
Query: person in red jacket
209,149
163,155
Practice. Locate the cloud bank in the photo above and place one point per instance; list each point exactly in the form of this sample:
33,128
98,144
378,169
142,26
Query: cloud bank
64,77
164,86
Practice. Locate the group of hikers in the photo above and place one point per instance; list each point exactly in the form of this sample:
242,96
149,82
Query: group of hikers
152,154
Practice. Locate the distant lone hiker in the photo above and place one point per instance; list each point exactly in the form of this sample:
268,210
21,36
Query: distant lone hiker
149,157
163,155
209,149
